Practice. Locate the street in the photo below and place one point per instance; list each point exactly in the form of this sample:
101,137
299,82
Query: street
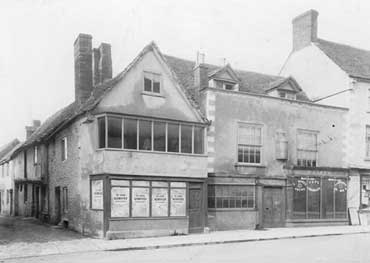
346,248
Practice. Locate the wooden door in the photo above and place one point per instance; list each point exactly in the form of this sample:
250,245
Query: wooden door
11,201
37,200
273,207
196,219
57,204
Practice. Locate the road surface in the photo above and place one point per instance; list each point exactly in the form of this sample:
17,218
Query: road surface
338,249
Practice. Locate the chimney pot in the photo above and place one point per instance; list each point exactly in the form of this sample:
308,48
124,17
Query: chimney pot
304,29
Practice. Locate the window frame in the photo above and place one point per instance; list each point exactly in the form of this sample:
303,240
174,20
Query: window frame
65,199
152,120
252,124
64,149
253,186
36,155
307,131
150,75
367,142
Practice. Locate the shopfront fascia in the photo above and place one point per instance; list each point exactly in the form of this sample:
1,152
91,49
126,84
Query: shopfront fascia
317,196
136,206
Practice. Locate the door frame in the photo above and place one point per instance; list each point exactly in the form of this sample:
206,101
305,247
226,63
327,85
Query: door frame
283,207
202,186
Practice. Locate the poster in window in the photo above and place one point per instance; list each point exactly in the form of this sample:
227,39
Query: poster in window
140,202
178,202
159,202
120,202
97,194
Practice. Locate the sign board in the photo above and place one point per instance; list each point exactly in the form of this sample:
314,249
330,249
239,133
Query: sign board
140,202
353,216
160,202
120,202
97,194
178,202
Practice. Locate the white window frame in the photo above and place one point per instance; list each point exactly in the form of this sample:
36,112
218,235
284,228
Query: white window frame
150,75
306,131
36,154
250,124
64,149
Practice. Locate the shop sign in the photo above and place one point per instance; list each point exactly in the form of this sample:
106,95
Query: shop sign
159,202
140,202
178,202
340,186
97,194
120,202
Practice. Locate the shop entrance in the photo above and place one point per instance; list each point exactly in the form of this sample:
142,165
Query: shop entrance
273,206
196,220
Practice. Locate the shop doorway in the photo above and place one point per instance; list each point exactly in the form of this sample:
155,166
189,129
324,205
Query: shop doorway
196,210
273,207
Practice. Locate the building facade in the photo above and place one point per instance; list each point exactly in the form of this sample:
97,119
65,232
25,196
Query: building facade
336,74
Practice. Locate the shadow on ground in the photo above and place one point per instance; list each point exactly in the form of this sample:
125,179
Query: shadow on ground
17,229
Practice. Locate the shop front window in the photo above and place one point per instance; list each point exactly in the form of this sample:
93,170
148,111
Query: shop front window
319,198
365,192
231,196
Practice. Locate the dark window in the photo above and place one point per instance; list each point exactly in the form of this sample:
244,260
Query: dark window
145,135
152,82
130,136
186,138
198,140
229,86
340,195
328,198
159,130
231,196
25,193
147,84
173,137
101,132
114,132
313,195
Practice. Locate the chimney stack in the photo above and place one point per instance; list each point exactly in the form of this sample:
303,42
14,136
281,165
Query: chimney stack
31,129
304,29
83,67
200,72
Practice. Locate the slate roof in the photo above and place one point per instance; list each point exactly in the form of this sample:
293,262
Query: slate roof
249,81
354,61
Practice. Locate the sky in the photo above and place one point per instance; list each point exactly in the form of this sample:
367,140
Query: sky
36,43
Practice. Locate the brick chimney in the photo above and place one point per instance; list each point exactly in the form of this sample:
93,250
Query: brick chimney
83,67
304,29
102,63
31,129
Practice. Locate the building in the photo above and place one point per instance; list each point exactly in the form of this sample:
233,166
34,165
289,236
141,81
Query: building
7,177
339,75
270,150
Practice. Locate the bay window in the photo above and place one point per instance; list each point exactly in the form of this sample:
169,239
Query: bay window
149,135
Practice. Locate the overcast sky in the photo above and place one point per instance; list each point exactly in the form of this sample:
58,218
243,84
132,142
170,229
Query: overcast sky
36,44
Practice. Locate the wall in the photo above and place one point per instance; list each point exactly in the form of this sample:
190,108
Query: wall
317,75
275,114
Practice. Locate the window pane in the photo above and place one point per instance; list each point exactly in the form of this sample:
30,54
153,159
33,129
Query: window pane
130,135
340,190
328,197
120,202
156,86
160,202
114,132
299,198
101,132
178,202
198,140
313,187
159,136
145,135
173,137
147,84
140,202
186,141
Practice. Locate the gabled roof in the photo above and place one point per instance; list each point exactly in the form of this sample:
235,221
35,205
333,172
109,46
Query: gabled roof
249,81
281,84
354,61
9,154
5,149
227,69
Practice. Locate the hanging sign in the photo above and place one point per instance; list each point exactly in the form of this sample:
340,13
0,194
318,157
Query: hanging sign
97,194
178,202
120,202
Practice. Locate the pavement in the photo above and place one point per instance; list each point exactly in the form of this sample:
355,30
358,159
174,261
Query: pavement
76,243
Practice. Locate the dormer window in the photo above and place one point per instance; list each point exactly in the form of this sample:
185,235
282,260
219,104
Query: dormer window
152,82
287,95
228,86
224,85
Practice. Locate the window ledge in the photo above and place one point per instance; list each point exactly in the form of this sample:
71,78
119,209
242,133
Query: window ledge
250,165
152,152
148,218
232,209
153,94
